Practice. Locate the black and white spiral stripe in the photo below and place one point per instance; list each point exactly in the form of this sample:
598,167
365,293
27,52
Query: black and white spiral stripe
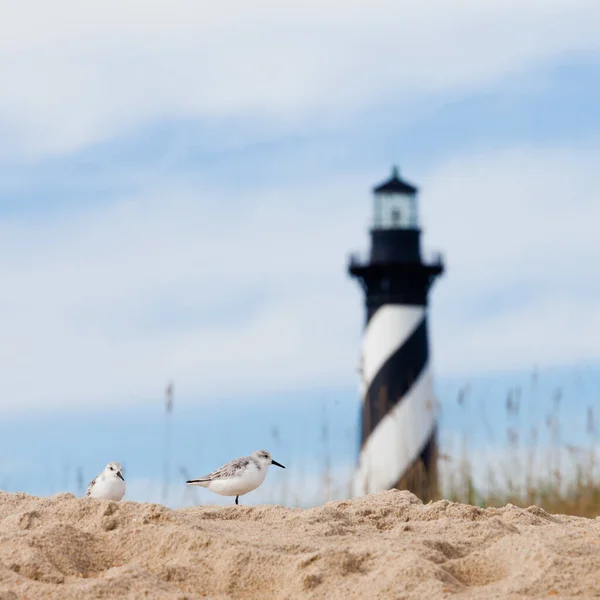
398,411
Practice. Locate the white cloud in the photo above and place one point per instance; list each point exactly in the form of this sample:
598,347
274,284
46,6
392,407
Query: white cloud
82,292
76,73
519,229
259,293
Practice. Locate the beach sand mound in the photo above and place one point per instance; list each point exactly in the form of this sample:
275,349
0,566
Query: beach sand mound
387,545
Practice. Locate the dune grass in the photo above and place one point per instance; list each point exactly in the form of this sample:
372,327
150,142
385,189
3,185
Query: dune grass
555,475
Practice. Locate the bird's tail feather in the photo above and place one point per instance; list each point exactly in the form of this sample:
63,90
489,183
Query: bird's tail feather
202,482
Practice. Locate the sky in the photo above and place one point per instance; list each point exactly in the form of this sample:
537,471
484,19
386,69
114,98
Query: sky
181,184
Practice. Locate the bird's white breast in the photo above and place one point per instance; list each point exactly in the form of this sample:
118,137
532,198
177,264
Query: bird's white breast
248,479
112,488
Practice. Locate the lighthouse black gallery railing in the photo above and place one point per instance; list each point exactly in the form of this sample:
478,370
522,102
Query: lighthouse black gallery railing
363,259
400,281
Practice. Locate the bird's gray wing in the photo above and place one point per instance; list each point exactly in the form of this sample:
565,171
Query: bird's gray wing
226,471
90,486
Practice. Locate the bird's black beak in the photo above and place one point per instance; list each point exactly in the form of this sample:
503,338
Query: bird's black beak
120,475
274,462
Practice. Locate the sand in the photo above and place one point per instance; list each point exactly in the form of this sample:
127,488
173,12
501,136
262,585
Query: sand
387,545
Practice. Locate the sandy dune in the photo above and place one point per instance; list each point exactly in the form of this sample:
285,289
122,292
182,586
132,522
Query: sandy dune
387,545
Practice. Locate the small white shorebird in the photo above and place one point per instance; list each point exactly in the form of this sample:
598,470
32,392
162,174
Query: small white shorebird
239,476
110,484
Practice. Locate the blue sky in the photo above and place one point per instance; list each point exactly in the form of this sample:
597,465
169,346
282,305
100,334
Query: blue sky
180,187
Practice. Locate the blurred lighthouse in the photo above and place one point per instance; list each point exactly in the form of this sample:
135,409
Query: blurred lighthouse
398,418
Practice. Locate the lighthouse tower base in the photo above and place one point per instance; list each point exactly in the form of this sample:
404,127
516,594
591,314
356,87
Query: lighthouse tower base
421,478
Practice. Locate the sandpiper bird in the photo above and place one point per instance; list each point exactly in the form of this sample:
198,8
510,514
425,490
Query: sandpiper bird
239,476
110,484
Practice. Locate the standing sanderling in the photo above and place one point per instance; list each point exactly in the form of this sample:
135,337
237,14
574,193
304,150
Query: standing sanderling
239,476
110,484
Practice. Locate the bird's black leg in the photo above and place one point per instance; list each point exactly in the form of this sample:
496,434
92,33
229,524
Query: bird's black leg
236,499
